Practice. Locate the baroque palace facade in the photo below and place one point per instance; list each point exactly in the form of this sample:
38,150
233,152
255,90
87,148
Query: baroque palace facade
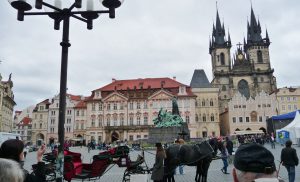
124,109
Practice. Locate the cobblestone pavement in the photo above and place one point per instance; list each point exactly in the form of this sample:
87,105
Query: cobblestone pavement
115,174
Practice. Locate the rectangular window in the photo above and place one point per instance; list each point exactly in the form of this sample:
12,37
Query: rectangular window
145,120
289,107
247,119
294,98
138,137
93,106
100,106
77,113
41,116
130,137
131,121
93,122
41,108
240,119
82,126
121,106
115,106
108,107
82,113
138,105
260,119
295,107
121,120
131,105
282,98
234,120
145,136
138,120
35,116
145,105
187,119
283,107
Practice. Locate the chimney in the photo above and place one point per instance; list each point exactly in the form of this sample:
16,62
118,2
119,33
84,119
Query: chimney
174,77
113,80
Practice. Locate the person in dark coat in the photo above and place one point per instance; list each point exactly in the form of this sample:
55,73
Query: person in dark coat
289,159
13,149
229,146
158,167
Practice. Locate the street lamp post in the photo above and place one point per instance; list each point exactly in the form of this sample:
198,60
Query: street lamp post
64,15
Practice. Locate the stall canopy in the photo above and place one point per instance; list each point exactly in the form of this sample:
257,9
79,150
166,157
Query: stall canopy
290,116
293,129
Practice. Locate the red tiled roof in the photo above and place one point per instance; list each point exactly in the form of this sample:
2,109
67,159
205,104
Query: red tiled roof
25,121
46,101
153,83
75,97
81,104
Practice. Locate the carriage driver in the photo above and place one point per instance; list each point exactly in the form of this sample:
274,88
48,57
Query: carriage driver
253,162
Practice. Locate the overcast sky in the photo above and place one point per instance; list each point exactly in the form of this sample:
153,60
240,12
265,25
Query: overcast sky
148,38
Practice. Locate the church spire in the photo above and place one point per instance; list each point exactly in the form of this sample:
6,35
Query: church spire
254,29
219,32
218,38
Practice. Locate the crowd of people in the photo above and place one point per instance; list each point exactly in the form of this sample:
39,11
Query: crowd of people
251,161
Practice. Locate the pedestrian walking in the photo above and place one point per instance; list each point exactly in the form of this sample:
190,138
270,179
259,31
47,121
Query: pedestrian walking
289,159
229,146
224,155
158,167
25,151
272,141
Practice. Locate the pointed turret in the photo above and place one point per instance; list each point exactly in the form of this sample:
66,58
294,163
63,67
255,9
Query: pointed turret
267,38
218,38
254,33
254,30
219,32
229,39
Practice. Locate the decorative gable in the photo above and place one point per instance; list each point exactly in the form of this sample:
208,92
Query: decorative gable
115,97
161,95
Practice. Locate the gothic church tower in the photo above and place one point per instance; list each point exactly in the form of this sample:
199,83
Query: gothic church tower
250,70
219,49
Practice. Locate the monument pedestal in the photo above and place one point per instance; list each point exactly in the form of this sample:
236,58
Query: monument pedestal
168,134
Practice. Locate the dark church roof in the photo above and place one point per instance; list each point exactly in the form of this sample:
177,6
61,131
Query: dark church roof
200,80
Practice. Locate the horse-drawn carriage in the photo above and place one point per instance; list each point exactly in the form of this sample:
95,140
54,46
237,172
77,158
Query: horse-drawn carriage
74,168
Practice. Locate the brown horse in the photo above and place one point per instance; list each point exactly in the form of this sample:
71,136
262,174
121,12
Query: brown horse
199,155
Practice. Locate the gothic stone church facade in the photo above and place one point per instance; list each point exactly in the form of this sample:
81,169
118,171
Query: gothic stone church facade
249,71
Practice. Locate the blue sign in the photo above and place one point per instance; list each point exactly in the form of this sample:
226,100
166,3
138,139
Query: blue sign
283,134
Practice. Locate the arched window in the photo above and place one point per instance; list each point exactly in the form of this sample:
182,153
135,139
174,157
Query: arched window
212,118
211,103
204,118
223,88
259,56
222,57
203,102
196,118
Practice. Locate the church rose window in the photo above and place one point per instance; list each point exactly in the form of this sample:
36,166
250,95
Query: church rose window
243,88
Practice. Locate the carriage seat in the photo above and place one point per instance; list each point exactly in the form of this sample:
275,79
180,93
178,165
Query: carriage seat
76,160
95,169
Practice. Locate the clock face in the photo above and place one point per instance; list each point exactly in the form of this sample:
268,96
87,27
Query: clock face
240,56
